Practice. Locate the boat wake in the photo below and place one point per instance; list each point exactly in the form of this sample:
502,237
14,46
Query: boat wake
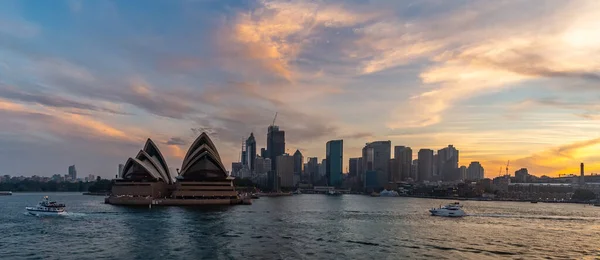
565,218
65,215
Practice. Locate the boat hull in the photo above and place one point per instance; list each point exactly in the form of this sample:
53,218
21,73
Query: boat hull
447,213
45,213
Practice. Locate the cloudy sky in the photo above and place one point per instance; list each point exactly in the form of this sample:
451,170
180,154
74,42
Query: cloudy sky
86,82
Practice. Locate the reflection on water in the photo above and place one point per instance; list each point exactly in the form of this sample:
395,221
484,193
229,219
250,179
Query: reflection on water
298,227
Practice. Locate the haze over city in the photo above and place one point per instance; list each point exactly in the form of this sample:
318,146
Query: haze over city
87,82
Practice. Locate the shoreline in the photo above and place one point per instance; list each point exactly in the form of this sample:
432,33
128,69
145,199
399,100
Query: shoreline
489,199
97,193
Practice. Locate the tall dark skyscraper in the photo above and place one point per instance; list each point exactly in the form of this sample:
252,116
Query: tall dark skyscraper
275,147
376,160
244,157
402,163
251,152
312,169
298,163
263,153
425,164
275,143
448,163
72,172
353,167
334,162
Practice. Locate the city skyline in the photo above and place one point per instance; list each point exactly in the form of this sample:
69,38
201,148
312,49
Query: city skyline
501,81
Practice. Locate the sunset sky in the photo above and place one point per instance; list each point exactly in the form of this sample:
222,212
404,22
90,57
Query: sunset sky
86,82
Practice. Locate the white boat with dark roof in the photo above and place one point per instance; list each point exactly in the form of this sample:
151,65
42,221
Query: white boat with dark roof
450,210
47,207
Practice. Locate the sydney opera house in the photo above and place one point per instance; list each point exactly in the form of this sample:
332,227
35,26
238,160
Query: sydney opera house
202,180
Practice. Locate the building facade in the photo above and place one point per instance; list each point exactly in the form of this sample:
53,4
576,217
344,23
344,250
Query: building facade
353,167
298,163
376,158
463,172
334,162
522,175
312,169
448,163
425,164
475,171
285,171
402,163
275,147
72,173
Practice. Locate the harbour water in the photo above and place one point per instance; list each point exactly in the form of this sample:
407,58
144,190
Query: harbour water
298,227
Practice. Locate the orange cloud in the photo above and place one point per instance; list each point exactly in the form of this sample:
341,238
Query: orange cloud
65,123
468,65
275,34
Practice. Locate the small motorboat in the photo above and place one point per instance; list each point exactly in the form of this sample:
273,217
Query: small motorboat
333,193
450,210
388,193
47,208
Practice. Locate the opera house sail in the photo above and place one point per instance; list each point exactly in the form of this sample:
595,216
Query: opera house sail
144,177
202,180
203,176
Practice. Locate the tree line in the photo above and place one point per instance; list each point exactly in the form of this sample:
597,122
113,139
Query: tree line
28,185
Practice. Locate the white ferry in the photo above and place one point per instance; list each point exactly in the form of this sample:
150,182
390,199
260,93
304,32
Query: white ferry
47,208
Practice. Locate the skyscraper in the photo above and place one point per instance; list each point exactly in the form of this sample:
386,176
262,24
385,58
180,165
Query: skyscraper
425,164
353,167
262,165
298,163
475,171
275,143
414,169
244,157
402,163
263,153
322,169
448,163
72,173
236,168
285,171
376,158
463,172
251,152
312,169
335,162
305,174
275,147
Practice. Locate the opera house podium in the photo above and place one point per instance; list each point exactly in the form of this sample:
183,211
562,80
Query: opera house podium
202,180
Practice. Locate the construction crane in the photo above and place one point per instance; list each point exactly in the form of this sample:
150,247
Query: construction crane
500,172
273,124
507,164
